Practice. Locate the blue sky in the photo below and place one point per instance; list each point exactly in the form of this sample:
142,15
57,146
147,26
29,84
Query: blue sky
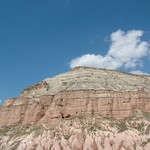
40,39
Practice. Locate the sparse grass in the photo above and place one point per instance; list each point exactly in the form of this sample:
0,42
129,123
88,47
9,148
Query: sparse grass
147,132
122,126
4,131
144,143
146,115
140,127
38,129
14,131
81,117
91,128
75,117
94,127
67,137
15,146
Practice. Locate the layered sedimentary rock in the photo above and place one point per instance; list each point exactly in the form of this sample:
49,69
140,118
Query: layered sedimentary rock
83,109
82,91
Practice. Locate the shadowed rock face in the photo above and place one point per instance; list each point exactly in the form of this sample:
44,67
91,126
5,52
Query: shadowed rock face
82,91
84,108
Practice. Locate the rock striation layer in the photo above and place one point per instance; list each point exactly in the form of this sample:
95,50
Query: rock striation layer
81,91
83,109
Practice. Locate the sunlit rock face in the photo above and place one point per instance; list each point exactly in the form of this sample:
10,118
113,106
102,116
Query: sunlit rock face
82,92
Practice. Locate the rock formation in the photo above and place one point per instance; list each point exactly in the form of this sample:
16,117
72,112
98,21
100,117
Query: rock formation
86,108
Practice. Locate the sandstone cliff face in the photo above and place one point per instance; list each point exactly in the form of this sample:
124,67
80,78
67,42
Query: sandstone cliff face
82,91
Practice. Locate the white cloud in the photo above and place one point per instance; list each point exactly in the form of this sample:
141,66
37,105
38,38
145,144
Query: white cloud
139,72
126,50
98,61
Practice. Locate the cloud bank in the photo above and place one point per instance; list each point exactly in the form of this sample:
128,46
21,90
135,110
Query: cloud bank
126,51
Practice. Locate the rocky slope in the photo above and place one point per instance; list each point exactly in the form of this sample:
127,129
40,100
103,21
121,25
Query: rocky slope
85,108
